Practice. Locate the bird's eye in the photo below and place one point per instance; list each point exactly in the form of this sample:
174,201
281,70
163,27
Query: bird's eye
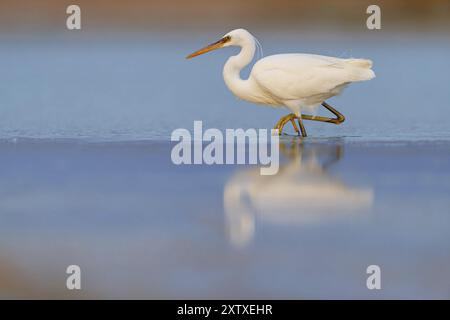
226,39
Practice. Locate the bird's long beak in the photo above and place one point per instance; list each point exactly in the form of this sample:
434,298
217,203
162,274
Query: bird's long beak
213,46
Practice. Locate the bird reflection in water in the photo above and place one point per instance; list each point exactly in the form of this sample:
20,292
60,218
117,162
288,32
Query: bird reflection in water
302,192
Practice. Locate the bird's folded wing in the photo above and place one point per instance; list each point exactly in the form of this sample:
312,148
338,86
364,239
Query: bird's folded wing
298,76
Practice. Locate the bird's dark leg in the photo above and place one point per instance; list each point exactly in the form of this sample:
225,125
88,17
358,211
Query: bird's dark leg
288,118
302,127
280,124
295,126
338,120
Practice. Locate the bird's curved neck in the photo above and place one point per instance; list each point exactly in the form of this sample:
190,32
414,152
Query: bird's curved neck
234,65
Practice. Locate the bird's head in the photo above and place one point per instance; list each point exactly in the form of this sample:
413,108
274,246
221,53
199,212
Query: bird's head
232,38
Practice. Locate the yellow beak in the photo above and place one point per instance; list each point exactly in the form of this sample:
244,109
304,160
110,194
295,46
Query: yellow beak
213,46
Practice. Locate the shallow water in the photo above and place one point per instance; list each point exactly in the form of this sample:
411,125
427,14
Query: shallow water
127,88
86,176
141,227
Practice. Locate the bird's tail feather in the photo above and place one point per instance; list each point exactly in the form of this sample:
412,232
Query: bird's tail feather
361,63
361,69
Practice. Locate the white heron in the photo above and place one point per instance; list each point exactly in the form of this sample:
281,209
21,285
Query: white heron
295,81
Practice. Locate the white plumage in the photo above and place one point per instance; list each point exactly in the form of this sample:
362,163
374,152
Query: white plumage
296,81
300,81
